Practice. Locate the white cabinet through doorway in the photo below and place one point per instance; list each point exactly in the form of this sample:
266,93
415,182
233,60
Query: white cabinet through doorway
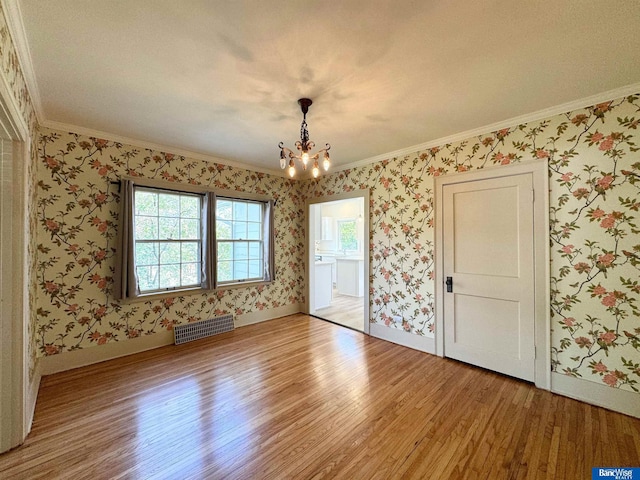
350,277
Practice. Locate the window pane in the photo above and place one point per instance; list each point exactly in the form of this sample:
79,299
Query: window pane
240,250
147,278
189,207
146,228
254,213
255,250
225,251
253,231
169,253
240,211
190,274
147,254
347,237
223,230
255,269
223,209
240,270
169,276
169,205
169,228
224,271
146,203
190,252
239,230
190,229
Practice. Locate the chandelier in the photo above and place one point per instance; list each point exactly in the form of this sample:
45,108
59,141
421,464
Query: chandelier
304,145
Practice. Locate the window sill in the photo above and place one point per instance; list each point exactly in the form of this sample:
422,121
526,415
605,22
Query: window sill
149,297
253,283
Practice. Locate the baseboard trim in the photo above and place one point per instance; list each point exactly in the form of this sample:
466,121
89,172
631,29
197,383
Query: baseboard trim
406,339
264,315
621,401
88,356
32,393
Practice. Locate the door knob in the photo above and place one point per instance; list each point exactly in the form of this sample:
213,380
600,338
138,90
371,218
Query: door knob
449,284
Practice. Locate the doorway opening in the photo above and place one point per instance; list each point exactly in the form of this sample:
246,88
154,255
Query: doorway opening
338,259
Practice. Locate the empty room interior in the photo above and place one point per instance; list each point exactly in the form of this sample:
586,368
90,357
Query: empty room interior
319,239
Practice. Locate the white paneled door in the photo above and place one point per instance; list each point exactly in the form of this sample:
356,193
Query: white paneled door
489,272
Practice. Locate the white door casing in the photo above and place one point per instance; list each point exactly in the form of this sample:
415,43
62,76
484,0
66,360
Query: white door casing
497,316
14,422
17,395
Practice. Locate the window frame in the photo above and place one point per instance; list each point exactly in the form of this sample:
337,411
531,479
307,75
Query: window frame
126,283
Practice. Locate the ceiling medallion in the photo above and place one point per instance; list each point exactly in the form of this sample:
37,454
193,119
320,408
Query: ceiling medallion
304,145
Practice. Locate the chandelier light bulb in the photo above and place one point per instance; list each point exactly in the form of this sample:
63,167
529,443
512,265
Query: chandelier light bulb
305,158
325,163
316,169
292,171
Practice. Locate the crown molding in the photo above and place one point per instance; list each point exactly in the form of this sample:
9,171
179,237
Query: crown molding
134,142
511,122
13,15
632,89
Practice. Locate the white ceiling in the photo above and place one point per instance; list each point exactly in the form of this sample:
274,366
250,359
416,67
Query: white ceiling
222,78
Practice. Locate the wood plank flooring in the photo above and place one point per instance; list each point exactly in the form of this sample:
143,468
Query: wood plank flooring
345,310
301,398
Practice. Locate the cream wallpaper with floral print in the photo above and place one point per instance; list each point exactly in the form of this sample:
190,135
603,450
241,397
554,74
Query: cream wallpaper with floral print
594,169
78,208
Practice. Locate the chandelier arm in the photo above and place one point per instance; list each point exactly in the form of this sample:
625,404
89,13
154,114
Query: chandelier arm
286,150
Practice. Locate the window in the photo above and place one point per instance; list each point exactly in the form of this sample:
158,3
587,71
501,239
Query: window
347,235
239,240
175,240
168,240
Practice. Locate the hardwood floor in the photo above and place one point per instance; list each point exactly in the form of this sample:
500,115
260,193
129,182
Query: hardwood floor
345,310
297,397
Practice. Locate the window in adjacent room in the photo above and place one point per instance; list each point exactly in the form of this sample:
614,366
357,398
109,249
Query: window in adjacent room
347,235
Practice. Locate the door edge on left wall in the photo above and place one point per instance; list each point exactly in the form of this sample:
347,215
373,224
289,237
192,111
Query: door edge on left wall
19,387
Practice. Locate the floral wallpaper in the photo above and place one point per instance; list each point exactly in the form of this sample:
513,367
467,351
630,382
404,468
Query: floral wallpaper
14,78
77,210
594,169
